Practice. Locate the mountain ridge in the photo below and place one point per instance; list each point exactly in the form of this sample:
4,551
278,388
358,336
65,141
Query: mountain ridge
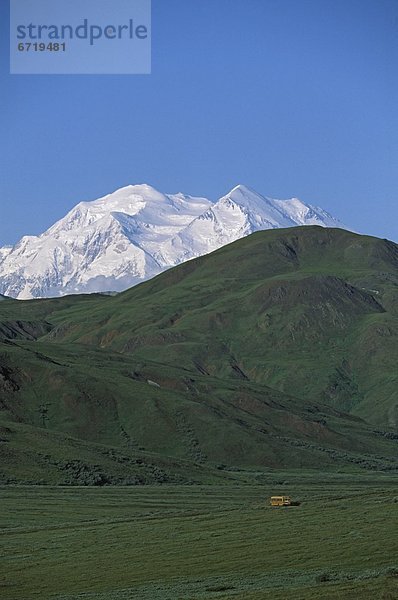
134,233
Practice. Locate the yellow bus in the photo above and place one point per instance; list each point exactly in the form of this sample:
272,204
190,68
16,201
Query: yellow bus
280,501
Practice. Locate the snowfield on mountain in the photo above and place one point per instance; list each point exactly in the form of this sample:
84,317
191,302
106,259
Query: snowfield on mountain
136,232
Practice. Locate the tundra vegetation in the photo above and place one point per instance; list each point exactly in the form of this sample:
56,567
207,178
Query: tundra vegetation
141,434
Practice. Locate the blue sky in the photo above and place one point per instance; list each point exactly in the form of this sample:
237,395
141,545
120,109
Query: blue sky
291,97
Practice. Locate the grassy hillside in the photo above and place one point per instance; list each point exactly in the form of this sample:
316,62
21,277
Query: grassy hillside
278,351
309,311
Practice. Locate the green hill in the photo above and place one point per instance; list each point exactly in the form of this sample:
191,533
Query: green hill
278,350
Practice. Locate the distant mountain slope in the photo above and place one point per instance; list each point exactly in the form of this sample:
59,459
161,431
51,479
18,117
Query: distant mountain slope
136,232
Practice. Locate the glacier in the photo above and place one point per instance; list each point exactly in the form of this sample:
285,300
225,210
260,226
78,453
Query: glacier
136,232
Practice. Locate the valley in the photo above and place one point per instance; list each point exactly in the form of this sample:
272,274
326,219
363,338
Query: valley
195,542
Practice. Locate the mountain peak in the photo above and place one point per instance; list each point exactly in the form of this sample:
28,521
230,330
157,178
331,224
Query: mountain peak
134,233
142,189
244,189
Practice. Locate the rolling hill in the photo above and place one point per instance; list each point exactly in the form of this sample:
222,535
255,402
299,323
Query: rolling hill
278,350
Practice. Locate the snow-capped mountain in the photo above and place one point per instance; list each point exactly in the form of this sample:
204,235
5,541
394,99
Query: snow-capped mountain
135,233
